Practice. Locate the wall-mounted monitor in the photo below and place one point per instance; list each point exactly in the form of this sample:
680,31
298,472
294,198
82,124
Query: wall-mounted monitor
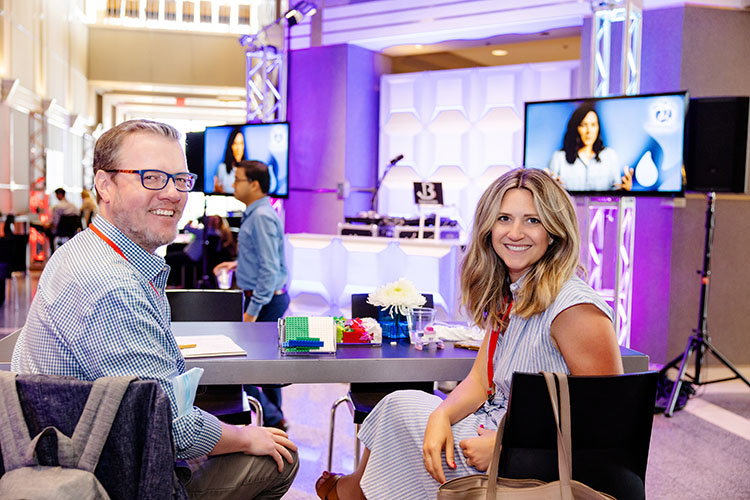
613,146
226,144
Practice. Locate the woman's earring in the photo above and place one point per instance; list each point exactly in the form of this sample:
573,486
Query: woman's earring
550,240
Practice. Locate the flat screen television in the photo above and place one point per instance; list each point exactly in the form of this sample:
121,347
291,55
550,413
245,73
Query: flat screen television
591,144
266,142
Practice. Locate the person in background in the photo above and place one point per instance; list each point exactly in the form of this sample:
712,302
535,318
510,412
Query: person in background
234,152
88,207
62,207
584,163
260,266
100,310
520,282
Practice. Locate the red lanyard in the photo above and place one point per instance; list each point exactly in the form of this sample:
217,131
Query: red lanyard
492,346
116,249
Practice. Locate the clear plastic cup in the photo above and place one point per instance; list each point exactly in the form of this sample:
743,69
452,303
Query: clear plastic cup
419,318
224,278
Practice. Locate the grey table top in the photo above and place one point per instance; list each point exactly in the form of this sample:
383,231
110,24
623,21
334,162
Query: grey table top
263,363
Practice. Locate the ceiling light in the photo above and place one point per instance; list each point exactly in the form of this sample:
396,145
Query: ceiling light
499,52
299,12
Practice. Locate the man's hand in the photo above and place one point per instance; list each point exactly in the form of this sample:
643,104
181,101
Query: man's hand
627,180
438,436
229,266
269,441
249,319
478,451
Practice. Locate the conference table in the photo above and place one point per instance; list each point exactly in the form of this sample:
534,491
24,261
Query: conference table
264,364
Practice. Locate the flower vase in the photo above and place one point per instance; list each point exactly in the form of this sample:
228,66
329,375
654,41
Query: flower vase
394,327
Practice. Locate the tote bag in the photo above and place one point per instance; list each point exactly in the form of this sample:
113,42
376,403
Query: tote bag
492,487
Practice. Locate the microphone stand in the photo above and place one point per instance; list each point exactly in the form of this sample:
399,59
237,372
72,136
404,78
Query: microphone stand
700,343
374,199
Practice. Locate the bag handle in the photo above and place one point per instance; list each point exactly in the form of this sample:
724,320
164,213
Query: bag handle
562,424
14,436
562,418
96,420
495,462
83,449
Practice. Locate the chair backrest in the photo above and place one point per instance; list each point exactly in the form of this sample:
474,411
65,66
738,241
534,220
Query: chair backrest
13,251
611,420
361,309
137,460
68,225
206,305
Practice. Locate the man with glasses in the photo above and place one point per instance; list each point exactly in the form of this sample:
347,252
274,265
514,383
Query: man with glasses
100,310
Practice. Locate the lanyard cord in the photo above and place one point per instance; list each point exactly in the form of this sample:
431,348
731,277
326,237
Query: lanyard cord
117,249
491,353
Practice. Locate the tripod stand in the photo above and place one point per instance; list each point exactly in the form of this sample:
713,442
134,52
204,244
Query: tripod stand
699,342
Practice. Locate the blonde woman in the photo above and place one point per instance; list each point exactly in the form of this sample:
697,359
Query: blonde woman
519,281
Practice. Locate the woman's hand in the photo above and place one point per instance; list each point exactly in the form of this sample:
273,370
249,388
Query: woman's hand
438,437
627,181
478,451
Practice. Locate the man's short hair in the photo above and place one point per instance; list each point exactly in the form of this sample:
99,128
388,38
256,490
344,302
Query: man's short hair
60,192
257,171
107,148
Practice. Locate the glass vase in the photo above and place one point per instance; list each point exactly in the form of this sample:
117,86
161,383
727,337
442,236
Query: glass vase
394,327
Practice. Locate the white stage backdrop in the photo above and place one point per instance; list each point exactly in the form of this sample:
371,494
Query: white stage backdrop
463,128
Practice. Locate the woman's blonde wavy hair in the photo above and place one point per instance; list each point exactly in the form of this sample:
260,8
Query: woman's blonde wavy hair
485,283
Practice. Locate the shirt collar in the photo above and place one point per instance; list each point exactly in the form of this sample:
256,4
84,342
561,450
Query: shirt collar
254,206
516,285
147,263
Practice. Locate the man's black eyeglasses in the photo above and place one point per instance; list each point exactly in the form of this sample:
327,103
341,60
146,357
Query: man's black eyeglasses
157,179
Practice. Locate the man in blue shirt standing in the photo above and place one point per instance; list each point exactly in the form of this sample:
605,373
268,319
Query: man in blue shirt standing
260,266
100,310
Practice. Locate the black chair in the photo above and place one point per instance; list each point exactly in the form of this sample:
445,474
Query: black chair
224,401
362,397
13,256
611,420
67,227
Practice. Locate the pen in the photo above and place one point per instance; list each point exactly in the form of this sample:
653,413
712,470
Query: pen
187,346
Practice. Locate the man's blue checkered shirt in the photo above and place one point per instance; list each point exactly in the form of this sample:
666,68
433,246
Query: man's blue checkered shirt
96,314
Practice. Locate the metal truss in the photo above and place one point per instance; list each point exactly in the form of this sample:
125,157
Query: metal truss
264,80
602,213
606,13
604,261
38,201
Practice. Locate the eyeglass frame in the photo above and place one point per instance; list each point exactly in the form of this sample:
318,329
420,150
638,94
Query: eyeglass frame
142,172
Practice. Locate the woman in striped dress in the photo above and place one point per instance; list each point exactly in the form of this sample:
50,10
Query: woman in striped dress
519,278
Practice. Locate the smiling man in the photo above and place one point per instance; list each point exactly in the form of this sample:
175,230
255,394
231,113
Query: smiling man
100,310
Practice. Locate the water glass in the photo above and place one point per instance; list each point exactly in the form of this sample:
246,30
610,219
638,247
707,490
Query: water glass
224,278
419,318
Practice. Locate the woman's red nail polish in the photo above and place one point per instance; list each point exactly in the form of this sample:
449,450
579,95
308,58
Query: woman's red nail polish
453,465
481,426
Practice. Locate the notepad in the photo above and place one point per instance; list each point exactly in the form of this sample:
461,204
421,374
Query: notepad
208,346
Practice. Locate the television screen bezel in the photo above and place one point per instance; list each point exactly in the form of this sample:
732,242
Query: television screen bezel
252,124
616,193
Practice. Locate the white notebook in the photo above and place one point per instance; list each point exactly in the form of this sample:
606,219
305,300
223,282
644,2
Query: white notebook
208,345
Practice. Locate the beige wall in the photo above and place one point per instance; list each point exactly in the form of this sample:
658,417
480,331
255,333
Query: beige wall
163,57
42,46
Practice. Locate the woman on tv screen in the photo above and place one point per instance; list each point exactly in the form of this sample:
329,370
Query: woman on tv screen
584,163
234,153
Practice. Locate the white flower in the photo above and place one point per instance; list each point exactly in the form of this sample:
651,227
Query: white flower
397,297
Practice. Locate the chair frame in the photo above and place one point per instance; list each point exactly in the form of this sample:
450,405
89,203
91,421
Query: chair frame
174,295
